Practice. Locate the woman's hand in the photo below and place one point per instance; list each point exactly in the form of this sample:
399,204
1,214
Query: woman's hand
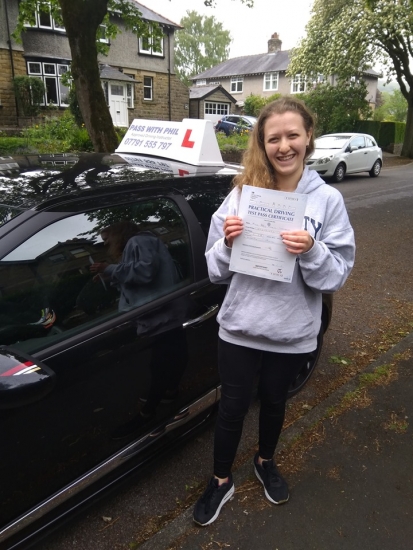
297,242
98,267
233,227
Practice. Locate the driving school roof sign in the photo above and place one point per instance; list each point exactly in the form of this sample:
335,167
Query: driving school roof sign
191,141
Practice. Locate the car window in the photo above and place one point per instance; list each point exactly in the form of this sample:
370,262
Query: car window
370,142
233,119
330,142
48,291
357,142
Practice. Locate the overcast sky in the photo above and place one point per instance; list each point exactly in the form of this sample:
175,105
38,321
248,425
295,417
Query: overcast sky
250,28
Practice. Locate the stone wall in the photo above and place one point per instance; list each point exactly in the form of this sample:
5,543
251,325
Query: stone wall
8,113
158,108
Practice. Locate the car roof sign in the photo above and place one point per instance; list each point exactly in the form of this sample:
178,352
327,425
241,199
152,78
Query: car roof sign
191,141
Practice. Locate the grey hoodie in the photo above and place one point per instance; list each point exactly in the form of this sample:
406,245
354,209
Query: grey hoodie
145,272
274,315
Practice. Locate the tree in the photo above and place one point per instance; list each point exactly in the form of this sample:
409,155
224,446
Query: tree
393,107
337,108
82,20
346,37
201,44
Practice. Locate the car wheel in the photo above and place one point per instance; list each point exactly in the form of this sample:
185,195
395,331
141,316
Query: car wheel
339,173
305,373
376,169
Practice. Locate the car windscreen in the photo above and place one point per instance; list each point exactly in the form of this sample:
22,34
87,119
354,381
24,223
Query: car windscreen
331,142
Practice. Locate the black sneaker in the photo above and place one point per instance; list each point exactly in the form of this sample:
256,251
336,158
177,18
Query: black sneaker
208,507
275,486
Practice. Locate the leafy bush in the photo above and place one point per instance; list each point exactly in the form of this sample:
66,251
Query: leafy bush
234,142
253,104
9,145
29,92
337,108
58,134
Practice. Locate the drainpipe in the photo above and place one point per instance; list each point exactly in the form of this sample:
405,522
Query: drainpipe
169,75
10,53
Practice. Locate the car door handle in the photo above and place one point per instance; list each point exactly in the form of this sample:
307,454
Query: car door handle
213,310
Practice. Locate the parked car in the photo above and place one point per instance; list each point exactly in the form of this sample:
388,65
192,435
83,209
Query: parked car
235,123
336,155
74,364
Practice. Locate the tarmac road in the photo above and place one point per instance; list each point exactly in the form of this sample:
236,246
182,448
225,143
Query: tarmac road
372,512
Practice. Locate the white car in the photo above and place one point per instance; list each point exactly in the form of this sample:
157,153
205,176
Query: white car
336,155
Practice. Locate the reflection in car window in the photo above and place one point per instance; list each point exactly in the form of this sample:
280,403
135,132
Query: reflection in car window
331,142
48,291
357,142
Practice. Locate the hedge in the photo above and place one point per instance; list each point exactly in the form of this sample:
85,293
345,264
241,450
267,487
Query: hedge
385,133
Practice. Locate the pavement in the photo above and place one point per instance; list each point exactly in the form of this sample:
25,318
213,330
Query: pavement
351,487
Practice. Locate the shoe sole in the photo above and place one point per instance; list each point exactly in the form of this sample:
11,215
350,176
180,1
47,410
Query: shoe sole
223,501
265,490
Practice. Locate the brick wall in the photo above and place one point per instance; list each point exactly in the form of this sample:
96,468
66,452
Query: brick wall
8,114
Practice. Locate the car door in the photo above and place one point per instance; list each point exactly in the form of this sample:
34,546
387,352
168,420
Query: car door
109,360
357,157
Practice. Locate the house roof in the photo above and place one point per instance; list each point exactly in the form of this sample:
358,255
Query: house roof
151,15
255,64
248,65
111,73
201,92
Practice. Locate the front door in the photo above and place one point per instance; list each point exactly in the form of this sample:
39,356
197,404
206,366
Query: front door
118,104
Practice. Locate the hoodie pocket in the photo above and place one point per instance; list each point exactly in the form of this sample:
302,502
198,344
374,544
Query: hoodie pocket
278,318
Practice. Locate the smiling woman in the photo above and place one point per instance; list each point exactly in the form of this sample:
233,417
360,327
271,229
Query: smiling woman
270,326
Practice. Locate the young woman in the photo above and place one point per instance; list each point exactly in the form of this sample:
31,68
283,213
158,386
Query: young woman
267,323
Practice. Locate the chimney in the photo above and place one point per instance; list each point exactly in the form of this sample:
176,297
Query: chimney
274,43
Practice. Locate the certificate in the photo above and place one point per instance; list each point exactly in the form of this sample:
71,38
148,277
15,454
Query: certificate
259,250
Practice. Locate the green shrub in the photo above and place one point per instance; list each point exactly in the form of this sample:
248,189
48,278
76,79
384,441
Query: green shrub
29,92
9,145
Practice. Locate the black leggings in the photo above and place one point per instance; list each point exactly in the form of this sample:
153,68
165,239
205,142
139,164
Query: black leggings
238,367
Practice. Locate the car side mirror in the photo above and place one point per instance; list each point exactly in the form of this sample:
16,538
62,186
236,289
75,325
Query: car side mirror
353,148
23,379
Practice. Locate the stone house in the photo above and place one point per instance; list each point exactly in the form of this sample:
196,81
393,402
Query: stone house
265,74
138,81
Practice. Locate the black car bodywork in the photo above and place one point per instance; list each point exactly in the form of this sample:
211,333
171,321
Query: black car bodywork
72,366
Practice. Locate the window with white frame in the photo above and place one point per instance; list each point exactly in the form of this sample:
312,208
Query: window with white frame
130,91
147,88
270,82
201,82
102,35
237,84
44,20
214,108
298,84
151,45
51,74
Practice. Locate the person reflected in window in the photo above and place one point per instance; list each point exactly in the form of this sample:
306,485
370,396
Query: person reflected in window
144,270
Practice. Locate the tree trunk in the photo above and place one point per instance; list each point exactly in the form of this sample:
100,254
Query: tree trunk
81,19
407,149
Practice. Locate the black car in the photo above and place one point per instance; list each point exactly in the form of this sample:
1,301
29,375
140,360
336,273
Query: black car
75,367
235,123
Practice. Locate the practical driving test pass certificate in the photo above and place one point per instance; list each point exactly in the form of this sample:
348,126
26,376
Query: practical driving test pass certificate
259,249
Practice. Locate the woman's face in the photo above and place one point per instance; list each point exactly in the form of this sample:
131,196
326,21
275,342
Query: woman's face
285,142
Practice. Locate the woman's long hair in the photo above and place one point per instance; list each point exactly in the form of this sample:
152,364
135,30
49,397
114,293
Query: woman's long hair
258,171
119,234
